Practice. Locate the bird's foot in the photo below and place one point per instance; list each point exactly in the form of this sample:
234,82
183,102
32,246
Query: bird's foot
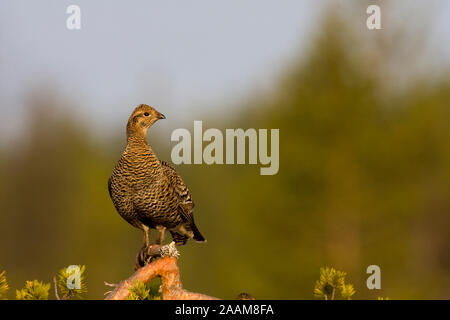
149,253
142,257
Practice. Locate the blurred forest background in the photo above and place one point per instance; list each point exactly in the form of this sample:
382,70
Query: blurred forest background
364,179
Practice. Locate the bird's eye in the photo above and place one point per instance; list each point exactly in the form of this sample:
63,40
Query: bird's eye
146,114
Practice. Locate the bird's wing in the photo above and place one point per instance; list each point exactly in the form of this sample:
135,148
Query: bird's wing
186,205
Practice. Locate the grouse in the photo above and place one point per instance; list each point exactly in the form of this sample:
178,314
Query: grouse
148,193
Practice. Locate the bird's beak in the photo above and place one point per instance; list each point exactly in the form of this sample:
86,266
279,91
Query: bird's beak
161,116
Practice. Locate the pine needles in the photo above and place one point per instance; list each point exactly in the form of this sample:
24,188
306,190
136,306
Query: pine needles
330,282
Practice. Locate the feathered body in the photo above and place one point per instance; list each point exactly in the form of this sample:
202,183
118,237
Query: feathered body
149,193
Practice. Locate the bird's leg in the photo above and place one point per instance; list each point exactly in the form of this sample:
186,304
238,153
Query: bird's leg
162,231
146,235
142,257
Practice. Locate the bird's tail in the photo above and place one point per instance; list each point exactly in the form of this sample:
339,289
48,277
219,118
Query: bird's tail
197,235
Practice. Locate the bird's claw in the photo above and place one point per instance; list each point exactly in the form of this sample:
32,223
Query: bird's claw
148,253
142,257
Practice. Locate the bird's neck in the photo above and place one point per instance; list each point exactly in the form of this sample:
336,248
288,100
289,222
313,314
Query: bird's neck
139,150
137,141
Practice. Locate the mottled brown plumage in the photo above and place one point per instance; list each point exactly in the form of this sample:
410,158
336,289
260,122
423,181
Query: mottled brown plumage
149,193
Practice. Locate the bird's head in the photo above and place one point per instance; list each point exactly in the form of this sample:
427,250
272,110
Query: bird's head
141,119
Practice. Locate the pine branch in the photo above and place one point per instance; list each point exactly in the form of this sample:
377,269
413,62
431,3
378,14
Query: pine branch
167,269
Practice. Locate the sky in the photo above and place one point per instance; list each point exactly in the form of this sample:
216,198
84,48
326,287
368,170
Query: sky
185,56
